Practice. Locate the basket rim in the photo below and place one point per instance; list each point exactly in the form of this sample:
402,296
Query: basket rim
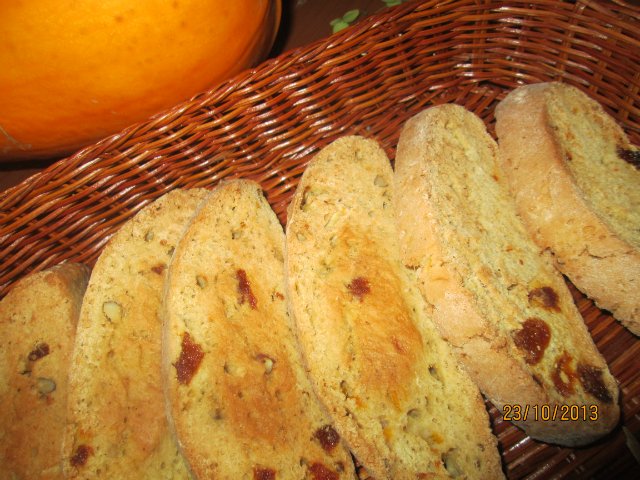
104,184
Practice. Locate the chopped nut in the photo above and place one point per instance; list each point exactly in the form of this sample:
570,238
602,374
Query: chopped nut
300,236
416,424
45,385
306,199
234,369
112,310
414,413
268,365
325,267
278,254
379,181
424,432
149,236
331,220
451,463
344,388
230,309
201,280
267,361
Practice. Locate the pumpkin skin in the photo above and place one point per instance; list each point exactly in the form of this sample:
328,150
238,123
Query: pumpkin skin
75,71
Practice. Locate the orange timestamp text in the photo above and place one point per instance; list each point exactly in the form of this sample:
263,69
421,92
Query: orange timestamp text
550,413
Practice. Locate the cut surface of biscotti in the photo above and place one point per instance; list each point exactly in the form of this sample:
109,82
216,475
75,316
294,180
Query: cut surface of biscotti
238,396
576,180
494,295
38,319
396,393
117,424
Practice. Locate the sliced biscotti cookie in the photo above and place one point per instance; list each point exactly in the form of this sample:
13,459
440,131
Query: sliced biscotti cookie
238,396
494,295
395,390
117,427
38,320
576,180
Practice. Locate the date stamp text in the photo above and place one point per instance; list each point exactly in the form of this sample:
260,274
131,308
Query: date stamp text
550,413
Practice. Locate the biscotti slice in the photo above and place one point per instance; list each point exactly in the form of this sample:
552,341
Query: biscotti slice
239,399
117,424
493,294
395,390
576,180
38,320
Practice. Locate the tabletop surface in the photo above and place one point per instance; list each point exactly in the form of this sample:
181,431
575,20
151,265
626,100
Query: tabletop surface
303,21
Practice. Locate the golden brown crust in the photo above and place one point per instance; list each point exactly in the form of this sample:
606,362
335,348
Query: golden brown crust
38,320
238,395
559,213
493,295
116,427
395,391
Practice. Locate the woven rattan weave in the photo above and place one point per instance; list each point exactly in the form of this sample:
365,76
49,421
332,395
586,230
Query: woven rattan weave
266,123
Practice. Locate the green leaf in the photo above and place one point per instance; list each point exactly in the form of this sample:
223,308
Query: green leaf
339,25
351,15
342,23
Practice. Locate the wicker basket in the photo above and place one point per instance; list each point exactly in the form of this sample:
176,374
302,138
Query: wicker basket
266,123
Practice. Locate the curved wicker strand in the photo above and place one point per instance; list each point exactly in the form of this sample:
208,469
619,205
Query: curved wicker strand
266,123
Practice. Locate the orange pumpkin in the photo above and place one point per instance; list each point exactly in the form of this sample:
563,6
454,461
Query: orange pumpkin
72,72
